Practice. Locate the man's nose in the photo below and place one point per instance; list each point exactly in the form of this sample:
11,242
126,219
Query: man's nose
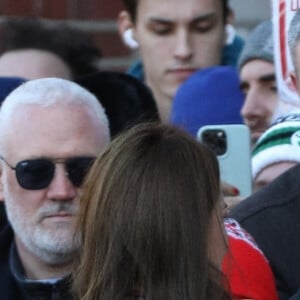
61,188
183,48
252,106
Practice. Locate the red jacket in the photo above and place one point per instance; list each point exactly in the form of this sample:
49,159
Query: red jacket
246,268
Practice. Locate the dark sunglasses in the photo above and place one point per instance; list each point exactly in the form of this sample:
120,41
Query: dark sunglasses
36,174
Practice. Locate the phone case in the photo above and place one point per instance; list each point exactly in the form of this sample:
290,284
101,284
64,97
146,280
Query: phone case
235,163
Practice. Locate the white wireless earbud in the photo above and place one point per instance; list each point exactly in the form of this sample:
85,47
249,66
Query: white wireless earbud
230,32
128,39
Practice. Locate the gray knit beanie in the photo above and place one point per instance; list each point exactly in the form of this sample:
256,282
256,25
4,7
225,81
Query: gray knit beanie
259,45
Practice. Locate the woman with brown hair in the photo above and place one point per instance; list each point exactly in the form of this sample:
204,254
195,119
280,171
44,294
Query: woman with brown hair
150,220
152,227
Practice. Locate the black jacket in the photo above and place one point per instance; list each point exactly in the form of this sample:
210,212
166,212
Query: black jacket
296,296
272,216
13,286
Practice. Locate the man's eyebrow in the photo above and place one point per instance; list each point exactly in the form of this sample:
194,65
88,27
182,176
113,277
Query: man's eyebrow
267,77
204,18
197,19
159,20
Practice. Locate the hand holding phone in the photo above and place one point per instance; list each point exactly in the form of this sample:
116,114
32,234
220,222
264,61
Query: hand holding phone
231,143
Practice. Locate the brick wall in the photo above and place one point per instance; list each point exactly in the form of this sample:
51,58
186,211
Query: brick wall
96,17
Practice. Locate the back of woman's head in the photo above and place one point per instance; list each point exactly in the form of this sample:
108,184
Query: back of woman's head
146,215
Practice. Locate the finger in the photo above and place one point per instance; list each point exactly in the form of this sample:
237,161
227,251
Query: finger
229,190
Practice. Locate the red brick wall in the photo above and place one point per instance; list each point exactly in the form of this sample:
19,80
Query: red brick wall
97,17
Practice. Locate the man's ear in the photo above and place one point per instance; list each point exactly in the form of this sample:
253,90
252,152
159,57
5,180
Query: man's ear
124,21
125,27
229,29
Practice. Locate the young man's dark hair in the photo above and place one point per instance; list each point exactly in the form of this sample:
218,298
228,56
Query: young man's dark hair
131,6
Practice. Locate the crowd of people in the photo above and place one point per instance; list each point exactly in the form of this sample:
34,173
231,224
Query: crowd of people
106,191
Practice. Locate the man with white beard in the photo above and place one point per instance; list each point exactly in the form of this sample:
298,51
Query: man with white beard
51,130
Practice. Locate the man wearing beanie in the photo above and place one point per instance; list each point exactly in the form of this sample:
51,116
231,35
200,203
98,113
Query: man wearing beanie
277,150
258,82
272,215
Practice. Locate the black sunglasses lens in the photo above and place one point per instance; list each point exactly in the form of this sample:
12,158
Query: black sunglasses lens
35,174
77,169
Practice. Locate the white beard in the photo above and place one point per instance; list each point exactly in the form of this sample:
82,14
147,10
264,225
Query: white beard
54,245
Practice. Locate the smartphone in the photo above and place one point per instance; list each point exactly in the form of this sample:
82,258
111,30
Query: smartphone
232,145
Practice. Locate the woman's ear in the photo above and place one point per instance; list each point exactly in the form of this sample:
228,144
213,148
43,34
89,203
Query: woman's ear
125,27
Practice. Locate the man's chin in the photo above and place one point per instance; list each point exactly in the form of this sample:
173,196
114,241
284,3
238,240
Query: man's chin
61,242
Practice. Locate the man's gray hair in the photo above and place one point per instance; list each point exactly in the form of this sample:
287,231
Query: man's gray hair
49,92
294,37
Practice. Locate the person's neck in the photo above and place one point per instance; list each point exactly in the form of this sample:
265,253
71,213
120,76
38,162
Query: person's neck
36,269
163,103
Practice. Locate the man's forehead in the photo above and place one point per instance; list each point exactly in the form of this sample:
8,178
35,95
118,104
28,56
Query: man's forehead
48,130
177,9
258,69
33,116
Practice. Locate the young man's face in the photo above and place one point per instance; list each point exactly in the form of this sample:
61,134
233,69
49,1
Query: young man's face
258,82
176,38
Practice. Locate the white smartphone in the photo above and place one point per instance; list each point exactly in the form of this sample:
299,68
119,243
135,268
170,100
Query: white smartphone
232,145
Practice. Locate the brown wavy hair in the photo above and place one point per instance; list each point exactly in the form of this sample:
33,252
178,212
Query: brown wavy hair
145,218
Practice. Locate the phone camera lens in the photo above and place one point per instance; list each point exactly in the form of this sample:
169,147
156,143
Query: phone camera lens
216,140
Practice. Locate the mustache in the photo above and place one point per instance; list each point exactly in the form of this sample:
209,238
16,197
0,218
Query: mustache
58,207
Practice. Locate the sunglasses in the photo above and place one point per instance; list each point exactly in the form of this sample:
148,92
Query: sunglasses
36,174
